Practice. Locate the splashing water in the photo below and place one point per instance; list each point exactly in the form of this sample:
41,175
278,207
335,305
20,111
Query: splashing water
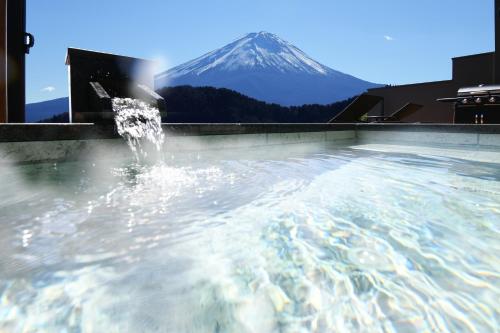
138,122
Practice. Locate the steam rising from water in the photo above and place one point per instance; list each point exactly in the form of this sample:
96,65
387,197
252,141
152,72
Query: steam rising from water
138,123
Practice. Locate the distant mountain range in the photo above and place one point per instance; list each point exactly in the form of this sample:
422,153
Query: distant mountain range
265,67
46,109
208,105
187,104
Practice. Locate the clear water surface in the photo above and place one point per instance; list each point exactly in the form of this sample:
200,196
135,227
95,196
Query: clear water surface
276,240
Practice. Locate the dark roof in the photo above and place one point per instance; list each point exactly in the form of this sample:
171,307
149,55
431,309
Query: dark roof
410,85
474,55
73,52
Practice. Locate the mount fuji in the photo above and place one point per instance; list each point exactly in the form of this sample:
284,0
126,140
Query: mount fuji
264,66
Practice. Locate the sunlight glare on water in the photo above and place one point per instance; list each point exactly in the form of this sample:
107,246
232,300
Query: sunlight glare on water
330,240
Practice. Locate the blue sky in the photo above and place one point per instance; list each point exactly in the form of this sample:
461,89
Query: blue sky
385,41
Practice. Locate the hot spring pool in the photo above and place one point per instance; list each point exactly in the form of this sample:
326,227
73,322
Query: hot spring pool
290,239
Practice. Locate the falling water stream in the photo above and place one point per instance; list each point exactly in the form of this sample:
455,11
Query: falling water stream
139,124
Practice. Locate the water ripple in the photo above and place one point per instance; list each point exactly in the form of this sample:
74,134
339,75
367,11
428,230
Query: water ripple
297,241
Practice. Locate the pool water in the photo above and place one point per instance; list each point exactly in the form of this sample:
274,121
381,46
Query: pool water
290,239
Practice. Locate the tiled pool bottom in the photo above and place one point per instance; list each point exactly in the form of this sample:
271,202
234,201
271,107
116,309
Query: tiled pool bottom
365,238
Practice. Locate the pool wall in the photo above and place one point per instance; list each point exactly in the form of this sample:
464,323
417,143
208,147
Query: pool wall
23,143
427,134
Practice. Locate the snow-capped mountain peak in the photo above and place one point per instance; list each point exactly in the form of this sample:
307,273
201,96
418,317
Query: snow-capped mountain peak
254,51
264,66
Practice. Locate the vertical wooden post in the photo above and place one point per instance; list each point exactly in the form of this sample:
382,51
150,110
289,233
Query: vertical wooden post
3,62
497,42
16,60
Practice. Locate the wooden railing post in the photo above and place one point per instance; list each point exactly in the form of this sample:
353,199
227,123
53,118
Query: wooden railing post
3,62
16,60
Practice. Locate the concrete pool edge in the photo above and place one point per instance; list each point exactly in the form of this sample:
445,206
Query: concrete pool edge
89,131
430,134
47,142
24,143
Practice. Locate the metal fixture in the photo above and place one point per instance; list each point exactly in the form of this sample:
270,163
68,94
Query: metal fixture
484,109
29,42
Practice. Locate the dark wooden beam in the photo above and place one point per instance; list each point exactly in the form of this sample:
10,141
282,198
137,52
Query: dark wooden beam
497,42
3,58
16,48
